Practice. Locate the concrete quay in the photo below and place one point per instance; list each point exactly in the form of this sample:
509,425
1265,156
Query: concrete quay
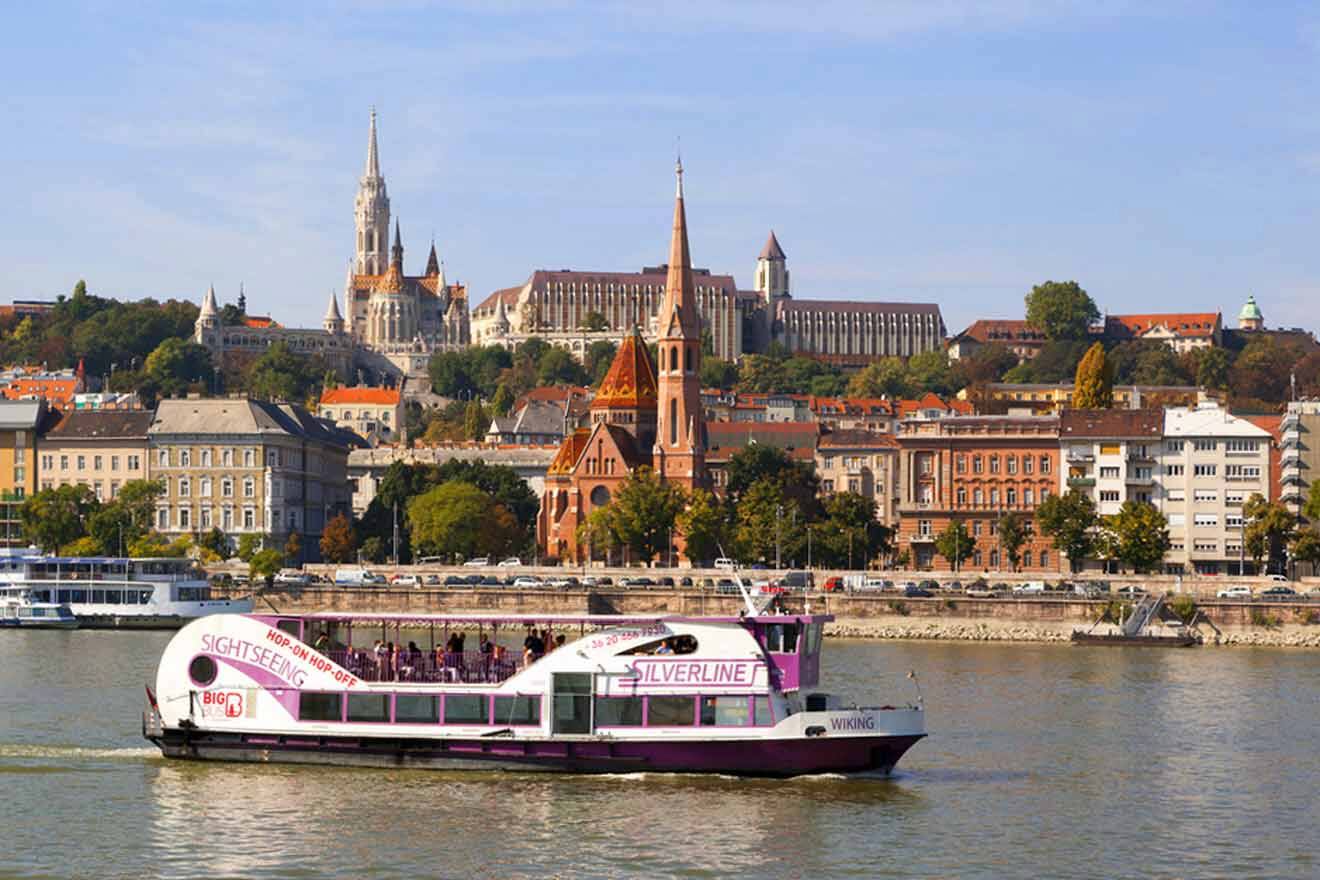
858,615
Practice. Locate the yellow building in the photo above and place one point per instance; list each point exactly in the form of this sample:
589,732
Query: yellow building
19,422
1051,398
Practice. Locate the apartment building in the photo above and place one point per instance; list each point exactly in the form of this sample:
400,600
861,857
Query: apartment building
1110,455
862,462
100,449
248,467
375,414
1300,461
973,470
20,422
1209,464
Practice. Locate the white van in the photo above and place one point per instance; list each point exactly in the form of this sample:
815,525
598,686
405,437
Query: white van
356,577
724,563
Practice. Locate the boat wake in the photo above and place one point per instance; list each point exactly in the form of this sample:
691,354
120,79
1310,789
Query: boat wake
30,750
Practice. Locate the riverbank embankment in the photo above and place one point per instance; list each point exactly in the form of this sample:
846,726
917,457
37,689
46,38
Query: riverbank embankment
857,615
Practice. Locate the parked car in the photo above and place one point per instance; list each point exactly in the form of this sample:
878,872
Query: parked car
356,577
291,576
1279,593
725,585
929,584
1029,588
605,581
432,580
491,580
685,582
560,582
980,590
917,593
1238,592
874,583
665,581
832,585
797,580
953,585
724,563
478,562
405,580
511,562
1278,579
527,583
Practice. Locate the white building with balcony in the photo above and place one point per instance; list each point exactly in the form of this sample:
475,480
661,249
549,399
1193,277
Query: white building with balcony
1299,460
1209,464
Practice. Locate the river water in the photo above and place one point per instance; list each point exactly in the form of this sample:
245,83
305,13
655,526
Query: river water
1043,761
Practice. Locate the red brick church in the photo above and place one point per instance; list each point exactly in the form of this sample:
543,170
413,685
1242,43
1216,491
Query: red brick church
644,415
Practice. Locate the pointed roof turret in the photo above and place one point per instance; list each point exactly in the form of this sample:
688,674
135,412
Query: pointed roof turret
332,312
678,312
630,382
209,307
501,315
440,283
373,156
772,250
432,262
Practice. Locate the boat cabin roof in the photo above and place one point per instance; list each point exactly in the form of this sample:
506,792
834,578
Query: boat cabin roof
553,619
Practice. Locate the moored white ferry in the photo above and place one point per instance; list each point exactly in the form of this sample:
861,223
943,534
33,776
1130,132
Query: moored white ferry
619,694
21,612
115,592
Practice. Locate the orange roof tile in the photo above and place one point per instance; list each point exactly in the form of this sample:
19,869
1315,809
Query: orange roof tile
630,381
1179,323
259,322
336,396
569,452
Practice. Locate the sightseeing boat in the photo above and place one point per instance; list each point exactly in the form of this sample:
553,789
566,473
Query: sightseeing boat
590,693
107,592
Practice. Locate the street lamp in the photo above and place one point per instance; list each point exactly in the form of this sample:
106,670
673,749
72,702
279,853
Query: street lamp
779,513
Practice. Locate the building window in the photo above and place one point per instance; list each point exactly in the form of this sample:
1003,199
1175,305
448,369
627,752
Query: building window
227,518
64,462
249,457
1010,496
184,517
205,514
977,465
226,487
994,464
249,487
994,497
1173,445
978,497
206,458
48,462
163,518
114,488
134,463
1109,473
923,528
1044,464
1028,464
82,462
1204,445
185,458
185,487
227,457
1108,494
1173,470
976,528
249,518
1012,464
114,462
1204,470
163,458
1028,496
962,496
1210,495
1044,559
204,487
960,464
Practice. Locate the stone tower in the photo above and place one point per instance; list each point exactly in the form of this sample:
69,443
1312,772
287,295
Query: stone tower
206,331
391,312
333,321
771,281
371,212
680,429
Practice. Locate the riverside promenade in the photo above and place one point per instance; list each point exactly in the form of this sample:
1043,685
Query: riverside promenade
872,614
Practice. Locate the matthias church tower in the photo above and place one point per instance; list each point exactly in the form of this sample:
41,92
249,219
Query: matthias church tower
372,212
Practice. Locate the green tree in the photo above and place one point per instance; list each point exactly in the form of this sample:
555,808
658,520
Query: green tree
752,463
1311,509
264,565
931,371
338,544
716,373
458,518
55,517
596,533
502,402
1012,535
557,366
84,546
1305,546
760,374
475,420
594,322
215,541
1070,521
955,544
849,532
281,375
248,545
702,525
1094,384
770,523
644,512
887,377
177,365
374,549
1061,310
1212,367
1270,527
1139,535
599,355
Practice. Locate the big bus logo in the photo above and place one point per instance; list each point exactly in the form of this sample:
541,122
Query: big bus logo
226,703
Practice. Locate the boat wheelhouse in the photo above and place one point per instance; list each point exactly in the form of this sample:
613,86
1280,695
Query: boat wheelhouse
586,693
114,591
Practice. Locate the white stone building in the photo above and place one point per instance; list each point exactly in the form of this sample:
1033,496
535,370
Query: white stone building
1209,463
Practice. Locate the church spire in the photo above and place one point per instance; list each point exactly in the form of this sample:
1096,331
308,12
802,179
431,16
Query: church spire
678,313
373,156
396,252
432,262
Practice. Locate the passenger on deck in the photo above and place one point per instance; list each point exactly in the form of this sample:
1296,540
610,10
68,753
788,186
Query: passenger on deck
665,648
322,643
559,641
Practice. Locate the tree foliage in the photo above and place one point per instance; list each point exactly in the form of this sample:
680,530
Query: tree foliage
1070,521
955,544
1061,310
338,543
1138,535
457,518
264,565
1270,527
1094,383
55,517
702,526
1012,534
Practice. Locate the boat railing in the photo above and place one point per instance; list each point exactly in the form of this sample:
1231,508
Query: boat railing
469,667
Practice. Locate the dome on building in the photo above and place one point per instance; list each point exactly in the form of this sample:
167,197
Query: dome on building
1250,311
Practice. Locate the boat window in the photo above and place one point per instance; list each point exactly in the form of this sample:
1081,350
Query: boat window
202,670
667,645
98,597
40,595
517,710
618,711
113,597
144,597
572,704
774,637
292,627
465,709
416,709
724,711
368,707
671,711
763,715
813,638
320,707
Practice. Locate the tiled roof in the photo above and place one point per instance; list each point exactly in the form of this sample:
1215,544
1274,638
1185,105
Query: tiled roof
382,396
856,439
839,305
1007,331
772,250
781,434
259,322
1189,324
569,452
1102,423
630,381
508,294
102,424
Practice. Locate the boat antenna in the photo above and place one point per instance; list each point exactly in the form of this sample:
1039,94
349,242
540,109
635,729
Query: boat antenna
749,605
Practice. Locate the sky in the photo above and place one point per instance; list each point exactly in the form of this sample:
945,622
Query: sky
1165,155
